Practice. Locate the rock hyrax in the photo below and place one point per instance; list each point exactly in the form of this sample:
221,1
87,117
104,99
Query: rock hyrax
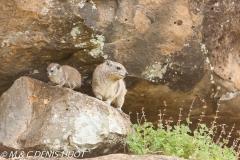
108,84
64,75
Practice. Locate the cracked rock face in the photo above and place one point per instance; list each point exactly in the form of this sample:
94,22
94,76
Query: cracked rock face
173,50
36,116
37,33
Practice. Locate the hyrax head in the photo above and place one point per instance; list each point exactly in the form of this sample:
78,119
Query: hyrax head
116,69
53,69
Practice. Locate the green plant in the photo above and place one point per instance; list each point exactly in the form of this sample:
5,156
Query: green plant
177,141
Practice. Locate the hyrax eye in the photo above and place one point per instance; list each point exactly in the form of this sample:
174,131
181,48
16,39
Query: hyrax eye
51,70
118,68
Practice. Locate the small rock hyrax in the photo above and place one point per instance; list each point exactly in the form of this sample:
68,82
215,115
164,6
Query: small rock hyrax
64,75
108,84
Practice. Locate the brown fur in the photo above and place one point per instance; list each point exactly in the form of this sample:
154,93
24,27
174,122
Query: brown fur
64,75
108,84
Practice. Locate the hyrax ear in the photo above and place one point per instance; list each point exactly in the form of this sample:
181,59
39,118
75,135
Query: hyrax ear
108,62
58,66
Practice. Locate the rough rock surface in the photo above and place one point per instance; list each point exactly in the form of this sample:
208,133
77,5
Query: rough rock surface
173,50
37,117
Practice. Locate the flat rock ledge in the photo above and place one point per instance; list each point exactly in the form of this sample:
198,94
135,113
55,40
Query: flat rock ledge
135,157
35,116
111,157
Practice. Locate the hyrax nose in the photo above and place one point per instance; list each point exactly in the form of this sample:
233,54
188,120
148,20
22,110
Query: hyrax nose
126,74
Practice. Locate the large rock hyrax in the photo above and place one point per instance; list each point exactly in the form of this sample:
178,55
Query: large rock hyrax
108,84
64,75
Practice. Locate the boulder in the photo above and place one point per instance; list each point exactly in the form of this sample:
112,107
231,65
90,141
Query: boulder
37,117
